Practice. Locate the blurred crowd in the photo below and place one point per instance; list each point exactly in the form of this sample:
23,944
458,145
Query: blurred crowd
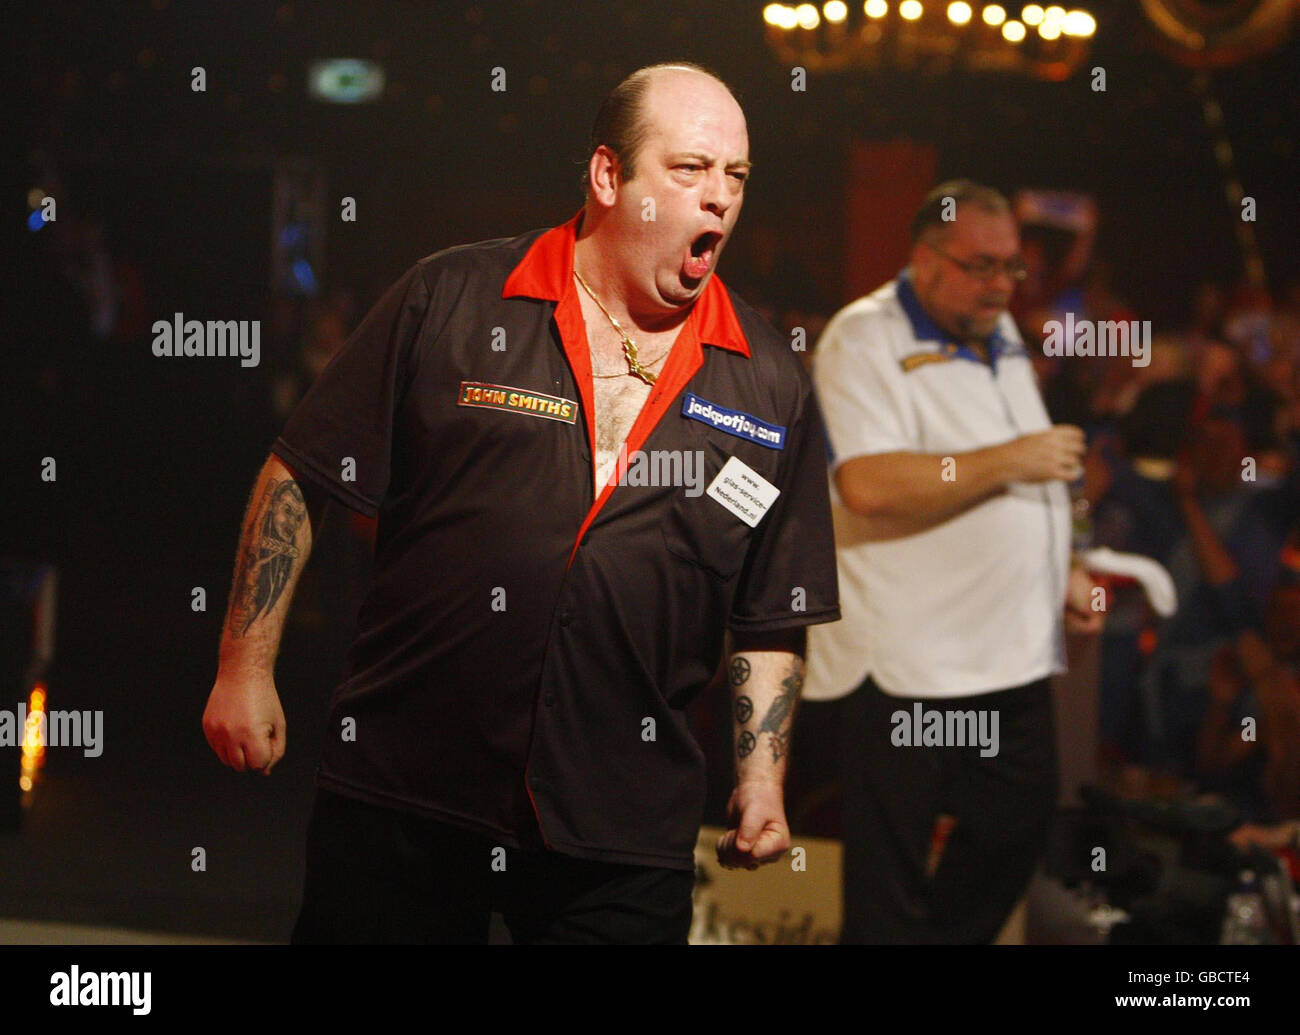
1192,463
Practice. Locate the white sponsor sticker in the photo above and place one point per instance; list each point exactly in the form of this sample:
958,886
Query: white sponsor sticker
743,491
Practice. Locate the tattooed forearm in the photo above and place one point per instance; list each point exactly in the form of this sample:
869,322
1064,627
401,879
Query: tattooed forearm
739,671
765,687
779,717
268,554
737,674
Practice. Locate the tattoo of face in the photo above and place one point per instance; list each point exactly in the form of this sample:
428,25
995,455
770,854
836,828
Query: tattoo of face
744,710
739,671
268,558
745,744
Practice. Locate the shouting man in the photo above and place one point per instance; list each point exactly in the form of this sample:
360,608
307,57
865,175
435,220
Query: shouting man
510,733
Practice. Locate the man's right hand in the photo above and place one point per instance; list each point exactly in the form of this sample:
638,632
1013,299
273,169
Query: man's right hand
244,722
1044,456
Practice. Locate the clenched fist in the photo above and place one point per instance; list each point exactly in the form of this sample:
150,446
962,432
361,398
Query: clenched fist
756,828
244,722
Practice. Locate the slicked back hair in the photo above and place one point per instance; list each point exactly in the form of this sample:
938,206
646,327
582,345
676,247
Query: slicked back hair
930,216
620,124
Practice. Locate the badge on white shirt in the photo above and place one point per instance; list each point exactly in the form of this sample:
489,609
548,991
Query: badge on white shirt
743,491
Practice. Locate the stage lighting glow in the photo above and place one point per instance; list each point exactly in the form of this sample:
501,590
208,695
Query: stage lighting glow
783,16
807,16
293,235
33,756
1079,23
302,273
345,80
821,35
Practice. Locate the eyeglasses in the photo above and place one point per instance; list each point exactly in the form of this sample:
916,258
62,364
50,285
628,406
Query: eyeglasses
987,269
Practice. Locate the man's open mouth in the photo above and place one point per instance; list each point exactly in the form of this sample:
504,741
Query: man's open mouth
699,258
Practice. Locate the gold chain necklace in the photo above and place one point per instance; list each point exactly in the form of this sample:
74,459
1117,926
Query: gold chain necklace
629,346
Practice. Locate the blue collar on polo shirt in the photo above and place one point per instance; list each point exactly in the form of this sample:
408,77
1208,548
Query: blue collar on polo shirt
925,329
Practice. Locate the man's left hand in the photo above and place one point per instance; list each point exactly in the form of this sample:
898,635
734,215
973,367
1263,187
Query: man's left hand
1080,618
757,832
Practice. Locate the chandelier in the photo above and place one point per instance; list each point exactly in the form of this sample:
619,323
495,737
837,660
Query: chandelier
932,37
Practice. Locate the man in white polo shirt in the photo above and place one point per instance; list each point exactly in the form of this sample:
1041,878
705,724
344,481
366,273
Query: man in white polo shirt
953,537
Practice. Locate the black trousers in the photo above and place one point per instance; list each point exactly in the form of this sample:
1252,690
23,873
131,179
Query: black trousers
1003,806
380,876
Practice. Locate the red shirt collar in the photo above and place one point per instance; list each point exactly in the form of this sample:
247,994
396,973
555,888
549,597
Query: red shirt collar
547,272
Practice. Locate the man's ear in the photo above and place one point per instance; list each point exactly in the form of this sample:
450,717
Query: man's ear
603,169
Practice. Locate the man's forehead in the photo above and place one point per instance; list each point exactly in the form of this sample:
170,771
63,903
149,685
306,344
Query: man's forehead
700,140
690,111
981,228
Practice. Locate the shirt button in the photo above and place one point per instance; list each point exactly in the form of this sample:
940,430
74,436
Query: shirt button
549,699
566,617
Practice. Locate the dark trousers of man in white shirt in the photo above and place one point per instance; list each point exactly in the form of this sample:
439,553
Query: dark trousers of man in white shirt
1003,806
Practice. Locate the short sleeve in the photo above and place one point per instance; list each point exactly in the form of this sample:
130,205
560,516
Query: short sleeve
861,391
789,578
341,433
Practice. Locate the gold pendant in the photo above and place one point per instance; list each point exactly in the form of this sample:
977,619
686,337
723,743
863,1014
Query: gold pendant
634,367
